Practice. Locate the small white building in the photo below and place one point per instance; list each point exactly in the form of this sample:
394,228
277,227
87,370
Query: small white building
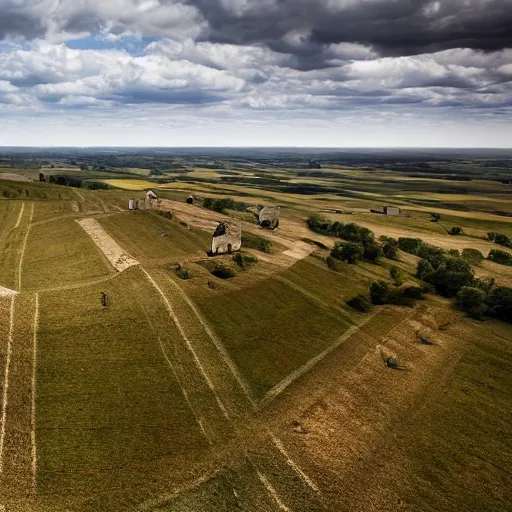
392,210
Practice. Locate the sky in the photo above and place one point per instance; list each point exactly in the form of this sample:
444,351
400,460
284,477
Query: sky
313,73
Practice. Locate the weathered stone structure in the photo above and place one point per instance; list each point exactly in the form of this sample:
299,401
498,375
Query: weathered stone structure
226,238
268,217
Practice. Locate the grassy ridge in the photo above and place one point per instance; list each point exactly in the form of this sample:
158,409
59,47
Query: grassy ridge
271,330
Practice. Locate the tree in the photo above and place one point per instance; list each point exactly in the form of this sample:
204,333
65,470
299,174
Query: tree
397,275
379,292
456,230
410,245
472,301
473,256
501,257
435,217
390,248
360,303
424,270
503,239
347,251
372,252
452,275
500,303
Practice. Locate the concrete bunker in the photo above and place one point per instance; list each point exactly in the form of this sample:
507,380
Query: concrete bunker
226,238
268,217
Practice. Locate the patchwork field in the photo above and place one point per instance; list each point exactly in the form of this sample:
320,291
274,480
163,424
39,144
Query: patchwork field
138,373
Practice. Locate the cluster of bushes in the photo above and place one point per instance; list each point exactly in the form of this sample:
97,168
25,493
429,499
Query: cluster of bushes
244,260
97,185
256,242
221,205
352,252
501,257
351,232
478,301
500,239
68,181
381,293
448,274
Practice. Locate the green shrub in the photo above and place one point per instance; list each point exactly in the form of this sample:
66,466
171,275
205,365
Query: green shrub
372,252
389,247
472,301
424,269
379,292
347,251
256,242
456,230
413,292
410,245
319,224
397,275
499,303
452,275
244,260
223,272
360,303
473,256
224,204
501,257
334,263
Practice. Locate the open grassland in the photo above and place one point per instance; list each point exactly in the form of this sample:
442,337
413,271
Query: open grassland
146,235
456,449
260,329
60,253
109,405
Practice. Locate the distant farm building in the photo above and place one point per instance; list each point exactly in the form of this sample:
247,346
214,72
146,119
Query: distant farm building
151,195
226,238
268,217
392,210
133,204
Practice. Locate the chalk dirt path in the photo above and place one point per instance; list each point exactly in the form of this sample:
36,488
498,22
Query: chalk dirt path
119,259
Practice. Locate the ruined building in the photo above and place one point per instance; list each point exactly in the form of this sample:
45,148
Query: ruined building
268,217
226,238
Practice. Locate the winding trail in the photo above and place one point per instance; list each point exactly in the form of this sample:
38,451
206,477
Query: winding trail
24,245
5,392
22,209
34,395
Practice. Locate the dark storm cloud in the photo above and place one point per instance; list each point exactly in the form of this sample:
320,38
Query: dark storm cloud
20,24
400,27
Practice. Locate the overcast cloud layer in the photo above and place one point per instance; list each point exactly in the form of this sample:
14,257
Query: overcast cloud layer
256,72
